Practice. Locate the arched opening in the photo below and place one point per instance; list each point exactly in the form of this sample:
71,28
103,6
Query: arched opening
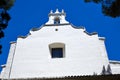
56,20
57,50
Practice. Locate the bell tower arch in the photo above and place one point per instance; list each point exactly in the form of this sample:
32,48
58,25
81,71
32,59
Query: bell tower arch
57,18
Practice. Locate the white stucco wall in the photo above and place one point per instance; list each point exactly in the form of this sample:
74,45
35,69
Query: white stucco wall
115,66
6,70
84,54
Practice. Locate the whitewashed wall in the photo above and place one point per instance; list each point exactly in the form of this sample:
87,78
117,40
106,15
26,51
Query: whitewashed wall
115,66
6,70
84,54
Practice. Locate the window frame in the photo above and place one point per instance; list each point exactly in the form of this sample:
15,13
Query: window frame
57,45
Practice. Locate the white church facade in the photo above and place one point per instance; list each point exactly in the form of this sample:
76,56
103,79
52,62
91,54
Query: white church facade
58,49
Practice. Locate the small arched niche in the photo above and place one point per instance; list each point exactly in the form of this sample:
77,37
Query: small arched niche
57,50
57,20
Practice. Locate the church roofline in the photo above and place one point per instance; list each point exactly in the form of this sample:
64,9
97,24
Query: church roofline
75,77
114,62
36,29
90,34
56,24
101,38
3,66
33,29
81,27
56,13
23,37
12,42
45,25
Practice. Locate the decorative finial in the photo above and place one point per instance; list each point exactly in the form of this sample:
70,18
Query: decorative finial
51,11
63,11
57,11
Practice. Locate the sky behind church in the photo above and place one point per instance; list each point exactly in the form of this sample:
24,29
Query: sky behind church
26,14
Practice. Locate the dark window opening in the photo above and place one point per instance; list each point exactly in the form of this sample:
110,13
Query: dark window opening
57,52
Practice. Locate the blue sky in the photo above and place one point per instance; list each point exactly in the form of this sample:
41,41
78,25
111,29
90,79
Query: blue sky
26,14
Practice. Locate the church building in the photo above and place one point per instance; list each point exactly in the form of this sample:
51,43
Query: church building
58,49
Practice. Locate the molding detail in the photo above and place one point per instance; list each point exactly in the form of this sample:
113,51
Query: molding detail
3,66
23,37
101,38
77,27
12,42
90,34
114,62
56,24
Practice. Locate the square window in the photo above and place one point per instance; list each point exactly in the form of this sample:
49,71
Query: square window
57,52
